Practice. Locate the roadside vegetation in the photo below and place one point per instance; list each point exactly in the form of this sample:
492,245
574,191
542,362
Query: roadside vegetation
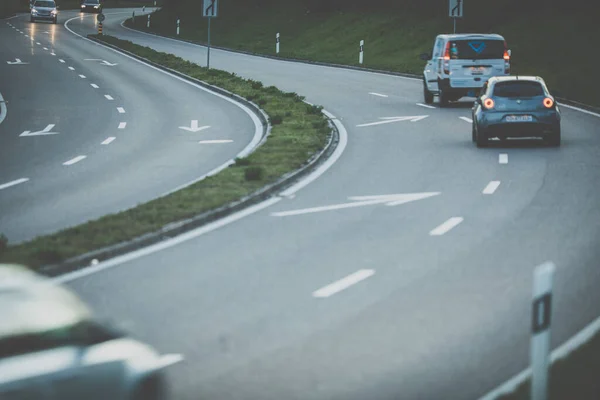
548,38
298,132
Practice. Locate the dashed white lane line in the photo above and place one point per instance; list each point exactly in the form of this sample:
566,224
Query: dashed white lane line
45,48
82,76
74,160
53,53
503,158
94,85
343,283
121,110
491,187
215,141
13,183
26,35
61,60
38,43
109,140
446,226
72,69
425,105
378,94
108,97
122,125
469,120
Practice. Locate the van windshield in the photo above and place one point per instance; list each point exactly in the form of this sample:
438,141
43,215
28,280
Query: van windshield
518,89
476,49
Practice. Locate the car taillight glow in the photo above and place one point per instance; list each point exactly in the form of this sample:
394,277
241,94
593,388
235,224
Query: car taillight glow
548,102
488,103
447,59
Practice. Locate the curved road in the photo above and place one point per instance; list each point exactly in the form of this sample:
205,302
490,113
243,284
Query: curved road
437,291
116,139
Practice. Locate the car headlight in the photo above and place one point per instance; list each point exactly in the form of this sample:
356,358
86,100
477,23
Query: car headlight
96,6
34,11
83,6
53,12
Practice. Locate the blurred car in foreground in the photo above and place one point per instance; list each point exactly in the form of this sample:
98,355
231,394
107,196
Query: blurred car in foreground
46,10
516,106
93,6
52,348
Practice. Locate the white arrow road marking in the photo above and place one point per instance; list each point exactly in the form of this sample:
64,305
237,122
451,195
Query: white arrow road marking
109,140
13,183
359,201
389,120
16,62
469,120
194,127
74,160
343,283
45,131
378,94
215,141
503,158
104,62
491,187
446,226
426,106
122,125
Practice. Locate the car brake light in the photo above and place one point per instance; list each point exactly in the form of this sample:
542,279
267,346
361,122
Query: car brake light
548,102
488,104
447,59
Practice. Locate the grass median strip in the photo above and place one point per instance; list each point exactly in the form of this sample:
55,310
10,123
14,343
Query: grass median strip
298,132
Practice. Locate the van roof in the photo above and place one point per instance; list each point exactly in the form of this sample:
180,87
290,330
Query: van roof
472,36
515,78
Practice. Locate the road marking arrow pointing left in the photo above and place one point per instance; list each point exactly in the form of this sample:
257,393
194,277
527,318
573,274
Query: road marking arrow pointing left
389,120
359,201
46,131
194,127
16,62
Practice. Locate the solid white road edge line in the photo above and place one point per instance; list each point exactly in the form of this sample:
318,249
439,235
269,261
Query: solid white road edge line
13,183
491,187
378,94
109,140
108,97
446,226
3,109
343,283
121,110
503,158
580,110
469,120
122,125
425,105
74,160
562,351
215,141
94,86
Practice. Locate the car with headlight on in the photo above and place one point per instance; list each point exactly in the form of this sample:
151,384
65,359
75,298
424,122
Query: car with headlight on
516,107
51,347
45,10
93,6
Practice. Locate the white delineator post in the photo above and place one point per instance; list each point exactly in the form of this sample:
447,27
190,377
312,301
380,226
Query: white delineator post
148,24
178,27
540,330
277,43
361,55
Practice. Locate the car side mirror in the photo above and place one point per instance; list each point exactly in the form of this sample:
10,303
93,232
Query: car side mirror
425,56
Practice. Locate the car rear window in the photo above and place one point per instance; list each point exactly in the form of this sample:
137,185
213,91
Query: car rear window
518,89
476,49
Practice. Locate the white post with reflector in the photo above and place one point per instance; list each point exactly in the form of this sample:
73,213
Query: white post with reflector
540,330
178,27
361,54
148,24
277,43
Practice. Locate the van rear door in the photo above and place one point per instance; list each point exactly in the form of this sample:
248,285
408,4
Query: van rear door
474,61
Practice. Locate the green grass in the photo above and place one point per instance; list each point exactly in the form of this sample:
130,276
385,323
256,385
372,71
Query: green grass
552,44
301,131
572,378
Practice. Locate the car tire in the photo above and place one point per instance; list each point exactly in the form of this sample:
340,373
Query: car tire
427,95
555,138
480,139
151,388
444,100
473,133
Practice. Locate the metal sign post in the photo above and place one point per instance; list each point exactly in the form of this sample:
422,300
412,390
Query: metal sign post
456,10
210,11
540,330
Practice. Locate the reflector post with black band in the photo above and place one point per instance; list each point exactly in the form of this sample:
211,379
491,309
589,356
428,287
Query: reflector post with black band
361,55
277,43
541,314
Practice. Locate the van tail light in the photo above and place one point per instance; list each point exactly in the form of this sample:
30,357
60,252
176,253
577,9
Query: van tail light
506,59
548,102
447,59
488,104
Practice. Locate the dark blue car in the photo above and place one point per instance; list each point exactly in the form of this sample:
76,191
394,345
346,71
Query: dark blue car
516,106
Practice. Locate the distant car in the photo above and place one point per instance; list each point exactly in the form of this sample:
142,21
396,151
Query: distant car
52,348
459,65
516,106
93,6
46,10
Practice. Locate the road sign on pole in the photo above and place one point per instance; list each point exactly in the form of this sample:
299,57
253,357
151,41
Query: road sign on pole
210,8
456,8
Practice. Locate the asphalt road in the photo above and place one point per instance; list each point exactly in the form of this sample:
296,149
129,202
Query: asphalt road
119,114
437,291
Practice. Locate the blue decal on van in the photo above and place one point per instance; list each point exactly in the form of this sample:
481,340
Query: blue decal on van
477,47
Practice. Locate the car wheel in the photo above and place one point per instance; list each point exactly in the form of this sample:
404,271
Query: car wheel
427,95
480,139
473,133
555,138
443,98
151,388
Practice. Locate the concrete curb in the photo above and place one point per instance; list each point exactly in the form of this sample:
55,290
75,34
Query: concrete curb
179,227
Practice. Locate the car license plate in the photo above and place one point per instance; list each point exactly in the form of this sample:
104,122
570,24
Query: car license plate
477,70
519,118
